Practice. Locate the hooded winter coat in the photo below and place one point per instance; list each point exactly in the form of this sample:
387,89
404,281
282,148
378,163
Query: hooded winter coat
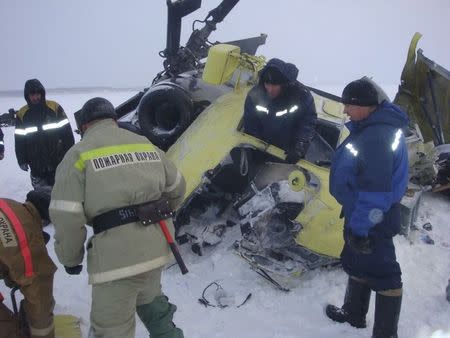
286,120
43,133
369,176
112,168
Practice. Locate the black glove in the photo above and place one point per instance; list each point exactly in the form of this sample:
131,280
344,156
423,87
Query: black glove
301,148
362,245
297,153
74,270
24,166
292,157
46,237
9,282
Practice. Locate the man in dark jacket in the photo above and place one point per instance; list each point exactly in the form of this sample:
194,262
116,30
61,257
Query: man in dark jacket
280,110
369,176
25,263
2,145
42,135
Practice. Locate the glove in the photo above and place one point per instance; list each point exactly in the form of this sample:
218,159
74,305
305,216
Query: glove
297,153
362,245
292,157
301,148
46,237
10,283
74,270
24,166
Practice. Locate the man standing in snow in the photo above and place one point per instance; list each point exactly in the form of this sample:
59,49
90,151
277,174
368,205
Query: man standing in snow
24,262
369,176
105,181
2,145
280,110
42,136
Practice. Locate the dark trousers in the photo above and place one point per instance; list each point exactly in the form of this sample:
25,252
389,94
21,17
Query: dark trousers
380,268
43,182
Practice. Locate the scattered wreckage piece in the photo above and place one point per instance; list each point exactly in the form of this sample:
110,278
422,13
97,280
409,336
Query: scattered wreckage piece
424,92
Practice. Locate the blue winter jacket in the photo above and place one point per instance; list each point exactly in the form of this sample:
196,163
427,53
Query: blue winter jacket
285,120
369,172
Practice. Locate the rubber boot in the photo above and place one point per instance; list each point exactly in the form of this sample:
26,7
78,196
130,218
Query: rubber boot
387,314
356,305
157,317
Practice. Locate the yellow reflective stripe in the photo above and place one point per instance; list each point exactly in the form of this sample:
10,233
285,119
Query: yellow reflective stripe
111,150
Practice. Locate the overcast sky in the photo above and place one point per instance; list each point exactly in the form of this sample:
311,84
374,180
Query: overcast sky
115,43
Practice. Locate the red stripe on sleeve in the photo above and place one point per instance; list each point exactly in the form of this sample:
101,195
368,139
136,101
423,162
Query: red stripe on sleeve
20,232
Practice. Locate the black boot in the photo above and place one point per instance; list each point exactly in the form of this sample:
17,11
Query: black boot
356,305
387,313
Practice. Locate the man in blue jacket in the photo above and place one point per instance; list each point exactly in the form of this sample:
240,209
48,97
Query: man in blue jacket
369,176
280,110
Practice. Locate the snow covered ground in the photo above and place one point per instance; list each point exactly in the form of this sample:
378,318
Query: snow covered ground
269,313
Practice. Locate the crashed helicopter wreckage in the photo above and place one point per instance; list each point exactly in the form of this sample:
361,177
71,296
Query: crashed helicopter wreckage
280,217
286,220
288,223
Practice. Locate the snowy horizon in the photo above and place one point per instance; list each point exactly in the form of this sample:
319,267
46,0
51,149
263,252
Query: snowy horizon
115,43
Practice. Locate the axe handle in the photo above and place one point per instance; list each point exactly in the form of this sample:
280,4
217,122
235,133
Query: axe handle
173,247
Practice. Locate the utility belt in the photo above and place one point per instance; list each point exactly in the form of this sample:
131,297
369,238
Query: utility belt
147,213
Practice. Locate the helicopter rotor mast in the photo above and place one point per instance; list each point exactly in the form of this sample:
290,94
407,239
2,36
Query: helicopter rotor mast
180,59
